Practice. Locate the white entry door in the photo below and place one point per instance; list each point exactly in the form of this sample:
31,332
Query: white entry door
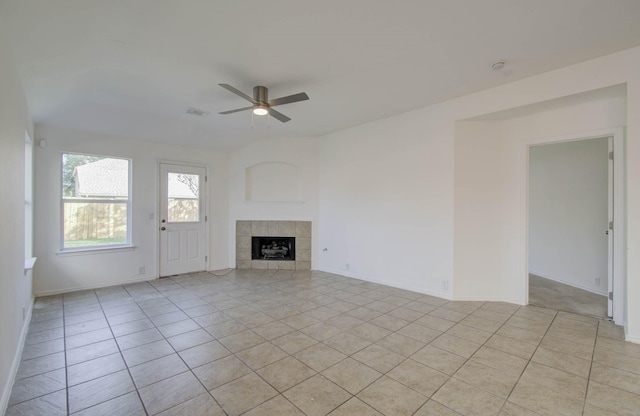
182,219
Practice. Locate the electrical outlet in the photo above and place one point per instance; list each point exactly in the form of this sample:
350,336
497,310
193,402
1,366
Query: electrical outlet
445,285
597,281
141,270
347,266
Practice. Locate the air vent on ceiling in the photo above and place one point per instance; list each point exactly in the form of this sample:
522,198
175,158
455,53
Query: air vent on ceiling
197,112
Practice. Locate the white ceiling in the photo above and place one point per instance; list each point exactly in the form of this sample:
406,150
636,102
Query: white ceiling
131,68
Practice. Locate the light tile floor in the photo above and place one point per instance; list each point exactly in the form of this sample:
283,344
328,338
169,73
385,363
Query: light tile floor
312,343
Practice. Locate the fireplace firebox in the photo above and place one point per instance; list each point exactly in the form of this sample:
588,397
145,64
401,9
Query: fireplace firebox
273,248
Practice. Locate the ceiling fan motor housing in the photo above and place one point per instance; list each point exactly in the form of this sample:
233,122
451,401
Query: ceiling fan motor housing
260,94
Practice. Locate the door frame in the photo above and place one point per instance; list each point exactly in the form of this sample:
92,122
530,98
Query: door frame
618,263
156,216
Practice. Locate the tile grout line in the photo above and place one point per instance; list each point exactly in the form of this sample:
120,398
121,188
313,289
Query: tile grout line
593,354
469,359
255,371
144,407
201,327
99,303
249,291
317,373
176,351
66,366
348,356
555,315
385,374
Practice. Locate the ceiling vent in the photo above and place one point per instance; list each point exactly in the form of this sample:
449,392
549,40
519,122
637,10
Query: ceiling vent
197,112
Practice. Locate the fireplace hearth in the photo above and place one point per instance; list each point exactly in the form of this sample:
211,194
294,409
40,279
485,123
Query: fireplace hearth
273,248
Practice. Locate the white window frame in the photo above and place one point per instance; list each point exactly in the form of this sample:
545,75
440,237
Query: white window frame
29,260
128,202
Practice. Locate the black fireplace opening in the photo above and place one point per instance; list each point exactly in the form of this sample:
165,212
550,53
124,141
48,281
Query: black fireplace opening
273,248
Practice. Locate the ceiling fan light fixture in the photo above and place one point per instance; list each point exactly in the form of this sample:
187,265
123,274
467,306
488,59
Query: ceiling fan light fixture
262,105
260,110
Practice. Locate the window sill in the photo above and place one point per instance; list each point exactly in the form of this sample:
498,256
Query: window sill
95,250
275,202
29,262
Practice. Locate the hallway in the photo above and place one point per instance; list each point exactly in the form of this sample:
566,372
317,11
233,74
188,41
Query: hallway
553,295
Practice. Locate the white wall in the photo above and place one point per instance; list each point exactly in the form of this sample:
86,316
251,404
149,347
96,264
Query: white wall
298,201
568,213
414,179
386,202
15,286
58,272
480,183
590,113
491,186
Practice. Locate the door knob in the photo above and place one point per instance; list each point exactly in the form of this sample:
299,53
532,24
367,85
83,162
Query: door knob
163,228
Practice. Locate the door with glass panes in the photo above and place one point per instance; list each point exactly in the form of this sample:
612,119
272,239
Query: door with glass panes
182,219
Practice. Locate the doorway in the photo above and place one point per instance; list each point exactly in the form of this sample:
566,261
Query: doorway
571,226
183,231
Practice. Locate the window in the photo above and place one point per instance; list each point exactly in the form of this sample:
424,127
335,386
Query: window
28,197
182,203
96,201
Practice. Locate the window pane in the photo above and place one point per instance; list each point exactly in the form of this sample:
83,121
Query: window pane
182,203
95,177
90,224
95,197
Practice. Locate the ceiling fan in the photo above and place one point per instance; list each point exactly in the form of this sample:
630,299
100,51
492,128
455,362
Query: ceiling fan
261,102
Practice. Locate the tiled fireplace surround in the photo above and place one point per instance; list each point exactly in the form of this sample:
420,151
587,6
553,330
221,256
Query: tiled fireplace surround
301,230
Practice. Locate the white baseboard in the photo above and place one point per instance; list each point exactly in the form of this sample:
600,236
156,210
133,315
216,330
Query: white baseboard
418,289
564,282
485,299
17,358
628,338
98,286
214,267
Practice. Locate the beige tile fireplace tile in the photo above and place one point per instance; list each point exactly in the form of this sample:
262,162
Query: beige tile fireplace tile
243,228
260,264
243,265
273,265
286,229
243,255
243,242
286,265
259,228
273,229
303,255
303,265
303,229
303,243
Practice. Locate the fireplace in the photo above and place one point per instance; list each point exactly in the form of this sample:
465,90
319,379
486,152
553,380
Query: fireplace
273,248
295,236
